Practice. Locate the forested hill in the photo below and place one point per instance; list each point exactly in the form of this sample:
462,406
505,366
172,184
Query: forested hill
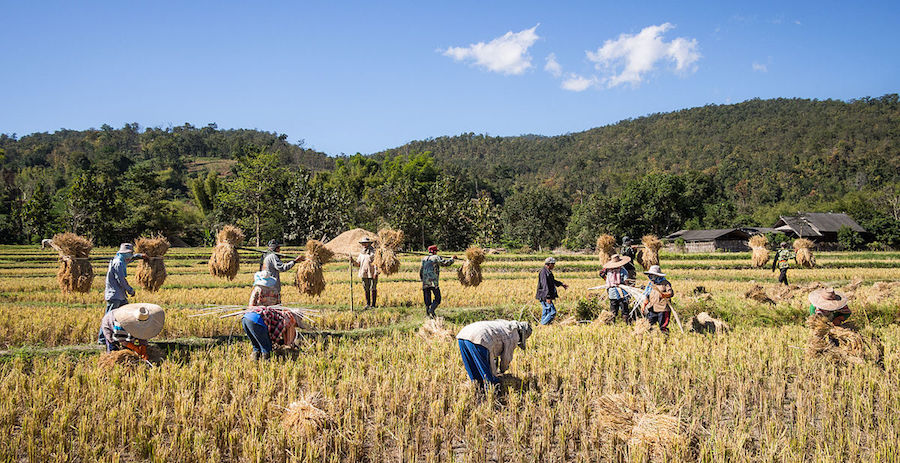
762,151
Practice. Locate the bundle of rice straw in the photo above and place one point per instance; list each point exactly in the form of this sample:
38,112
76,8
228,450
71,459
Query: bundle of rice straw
842,344
568,321
641,326
758,294
705,323
803,250
650,256
605,247
760,252
605,318
306,415
386,255
128,358
781,293
623,418
151,273
469,273
435,330
75,273
224,261
309,277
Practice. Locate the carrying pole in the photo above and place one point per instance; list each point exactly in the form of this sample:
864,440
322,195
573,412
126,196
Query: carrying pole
350,266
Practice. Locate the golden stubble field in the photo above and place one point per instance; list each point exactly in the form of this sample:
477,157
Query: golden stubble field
389,395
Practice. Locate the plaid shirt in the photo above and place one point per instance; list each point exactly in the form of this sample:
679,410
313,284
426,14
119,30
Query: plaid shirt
277,321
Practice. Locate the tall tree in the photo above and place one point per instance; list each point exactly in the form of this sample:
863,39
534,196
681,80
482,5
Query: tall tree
252,197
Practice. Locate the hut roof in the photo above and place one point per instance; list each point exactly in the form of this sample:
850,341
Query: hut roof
710,235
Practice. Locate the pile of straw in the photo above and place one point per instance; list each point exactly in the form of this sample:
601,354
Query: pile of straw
151,273
128,359
386,255
641,326
309,277
306,415
605,318
75,273
623,418
650,256
224,261
803,250
469,273
760,252
705,323
605,247
781,293
758,294
436,330
842,344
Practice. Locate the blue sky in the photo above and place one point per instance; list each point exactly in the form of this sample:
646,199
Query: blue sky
352,77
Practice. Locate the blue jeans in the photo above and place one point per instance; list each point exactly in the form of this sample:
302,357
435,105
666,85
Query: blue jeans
477,361
549,312
110,305
431,305
258,334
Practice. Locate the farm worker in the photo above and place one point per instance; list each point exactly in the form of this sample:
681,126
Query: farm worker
117,287
616,275
267,325
830,304
130,326
783,261
546,291
368,271
264,292
628,251
658,295
272,263
482,343
430,274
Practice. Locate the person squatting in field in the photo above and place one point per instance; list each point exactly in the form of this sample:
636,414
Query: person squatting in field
658,295
368,271
272,263
482,344
131,326
615,273
266,325
782,260
830,304
430,274
117,288
546,291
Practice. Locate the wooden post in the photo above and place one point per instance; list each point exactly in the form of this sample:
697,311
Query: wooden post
350,266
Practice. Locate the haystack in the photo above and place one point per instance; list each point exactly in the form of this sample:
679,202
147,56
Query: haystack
760,252
128,358
469,273
781,293
224,261
347,243
758,294
151,273
306,415
842,344
624,418
705,323
436,330
309,277
386,255
75,273
650,256
605,247
605,318
804,255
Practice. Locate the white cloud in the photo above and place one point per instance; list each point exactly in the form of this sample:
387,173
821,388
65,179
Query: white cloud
553,66
760,67
507,54
577,83
638,54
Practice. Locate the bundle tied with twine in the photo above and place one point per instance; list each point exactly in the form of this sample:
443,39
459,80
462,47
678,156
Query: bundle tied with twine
623,418
803,251
386,255
469,273
128,359
151,272
705,323
605,247
309,277
760,252
842,344
436,330
224,261
75,273
306,415
650,256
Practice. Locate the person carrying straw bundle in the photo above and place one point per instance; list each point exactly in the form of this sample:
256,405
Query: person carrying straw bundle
117,288
75,273
224,261
482,343
309,277
386,256
658,295
151,271
628,251
368,271
782,260
131,326
615,274
546,291
430,274
271,262
469,273
832,305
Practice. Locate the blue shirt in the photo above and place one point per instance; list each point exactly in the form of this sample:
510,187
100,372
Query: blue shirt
256,318
117,288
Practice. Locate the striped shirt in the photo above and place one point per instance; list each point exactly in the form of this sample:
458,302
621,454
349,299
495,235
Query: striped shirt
614,278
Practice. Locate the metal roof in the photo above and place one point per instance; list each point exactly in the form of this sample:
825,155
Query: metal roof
815,224
710,235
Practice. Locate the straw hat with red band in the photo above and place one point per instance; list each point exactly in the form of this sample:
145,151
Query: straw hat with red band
827,299
616,261
140,320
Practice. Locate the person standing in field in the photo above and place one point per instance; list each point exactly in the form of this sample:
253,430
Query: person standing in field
628,251
546,291
368,271
117,288
782,260
430,274
482,343
830,304
272,264
615,274
658,295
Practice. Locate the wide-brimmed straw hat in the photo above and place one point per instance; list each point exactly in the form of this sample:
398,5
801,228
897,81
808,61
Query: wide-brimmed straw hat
616,261
263,278
655,270
524,329
141,320
366,240
126,248
827,299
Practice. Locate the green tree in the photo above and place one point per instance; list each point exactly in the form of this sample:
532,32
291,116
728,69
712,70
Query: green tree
849,239
252,197
313,209
37,215
92,208
536,217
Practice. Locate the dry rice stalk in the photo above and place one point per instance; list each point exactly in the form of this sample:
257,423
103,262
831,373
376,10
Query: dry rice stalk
568,321
309,277
224,261
386,255
436,330
128,358
760,252
842,344
469,273
605,318
650,256
758,294
151,273
605,247
641,326
306,415
780,293
75,273
803,250
626,419
705,323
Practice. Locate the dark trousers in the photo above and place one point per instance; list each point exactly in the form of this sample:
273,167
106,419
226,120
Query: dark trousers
619,305
782,276
259,336
110,305
370,287
477,361
431,304
660,318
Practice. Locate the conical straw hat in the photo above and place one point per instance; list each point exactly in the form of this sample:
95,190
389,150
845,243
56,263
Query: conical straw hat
827,299
140,320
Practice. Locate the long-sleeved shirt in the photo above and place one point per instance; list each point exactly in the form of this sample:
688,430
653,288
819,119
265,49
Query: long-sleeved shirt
262,296
782,259
547,284
114,333
274,265
658,294
628,251
366,263
615,277
117,287
499,337
430,272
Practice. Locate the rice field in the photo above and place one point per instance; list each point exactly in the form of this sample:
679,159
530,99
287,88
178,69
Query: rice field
387,394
